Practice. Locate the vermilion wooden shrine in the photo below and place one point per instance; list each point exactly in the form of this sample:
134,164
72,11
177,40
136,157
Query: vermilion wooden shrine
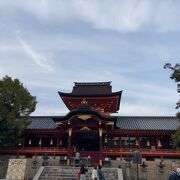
90,128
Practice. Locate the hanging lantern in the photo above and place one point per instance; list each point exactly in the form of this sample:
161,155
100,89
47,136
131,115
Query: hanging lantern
105,140
29,142
40,142
159,143
60,142
51,142
19,144
148,142
137,143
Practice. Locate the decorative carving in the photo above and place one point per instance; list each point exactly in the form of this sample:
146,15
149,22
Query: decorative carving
85,128
84,101
84,116
110,123
59,123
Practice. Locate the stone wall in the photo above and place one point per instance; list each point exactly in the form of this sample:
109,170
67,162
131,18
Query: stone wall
151,172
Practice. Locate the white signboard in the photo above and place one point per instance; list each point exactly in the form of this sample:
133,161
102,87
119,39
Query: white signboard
16,169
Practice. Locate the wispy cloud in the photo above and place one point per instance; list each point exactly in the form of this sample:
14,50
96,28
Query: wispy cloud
131,15
119,15
50,111
122,16
39,59
139,109
79,37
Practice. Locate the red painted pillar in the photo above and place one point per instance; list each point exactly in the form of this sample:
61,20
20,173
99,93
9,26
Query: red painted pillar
139,142
57,142
120,142
23,142
157,142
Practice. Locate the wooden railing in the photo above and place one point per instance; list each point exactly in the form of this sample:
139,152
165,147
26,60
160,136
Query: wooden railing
105,151
35,150
144,152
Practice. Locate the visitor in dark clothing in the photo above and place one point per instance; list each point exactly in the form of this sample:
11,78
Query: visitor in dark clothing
83,171
100,173
175,175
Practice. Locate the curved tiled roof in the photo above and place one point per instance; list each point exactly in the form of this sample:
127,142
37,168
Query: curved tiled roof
147,123
41,123
123,122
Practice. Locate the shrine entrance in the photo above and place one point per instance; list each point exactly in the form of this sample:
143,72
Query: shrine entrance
86,141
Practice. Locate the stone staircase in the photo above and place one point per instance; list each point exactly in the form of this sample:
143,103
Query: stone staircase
70,173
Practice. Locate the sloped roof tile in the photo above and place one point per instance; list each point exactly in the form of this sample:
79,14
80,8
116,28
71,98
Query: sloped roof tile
147,123
42,123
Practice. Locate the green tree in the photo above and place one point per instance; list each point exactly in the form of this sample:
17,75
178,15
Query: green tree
16,104
176,77
176,138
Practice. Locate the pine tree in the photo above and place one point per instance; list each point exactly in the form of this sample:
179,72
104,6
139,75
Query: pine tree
176,77
16,104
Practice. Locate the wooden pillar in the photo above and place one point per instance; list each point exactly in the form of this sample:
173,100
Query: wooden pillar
138,142
157,142
24,138
111,142
120,142
57,142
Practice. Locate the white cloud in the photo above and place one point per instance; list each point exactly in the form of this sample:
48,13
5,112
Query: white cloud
81,53
119,15
39,59
140,109
131,15
49,111
123,16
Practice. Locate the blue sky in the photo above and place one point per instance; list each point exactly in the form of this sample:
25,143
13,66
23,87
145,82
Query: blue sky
49,45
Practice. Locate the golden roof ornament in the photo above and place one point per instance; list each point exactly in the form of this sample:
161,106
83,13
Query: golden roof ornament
84,101
85,128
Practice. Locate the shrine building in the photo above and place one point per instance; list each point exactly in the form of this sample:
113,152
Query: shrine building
90,128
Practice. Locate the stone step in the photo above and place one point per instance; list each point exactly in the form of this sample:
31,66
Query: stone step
69,173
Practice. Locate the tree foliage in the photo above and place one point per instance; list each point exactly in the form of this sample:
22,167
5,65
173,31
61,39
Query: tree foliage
176,77
176,138
176,71
16,104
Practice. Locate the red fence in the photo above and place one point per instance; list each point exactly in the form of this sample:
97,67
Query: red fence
105,152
